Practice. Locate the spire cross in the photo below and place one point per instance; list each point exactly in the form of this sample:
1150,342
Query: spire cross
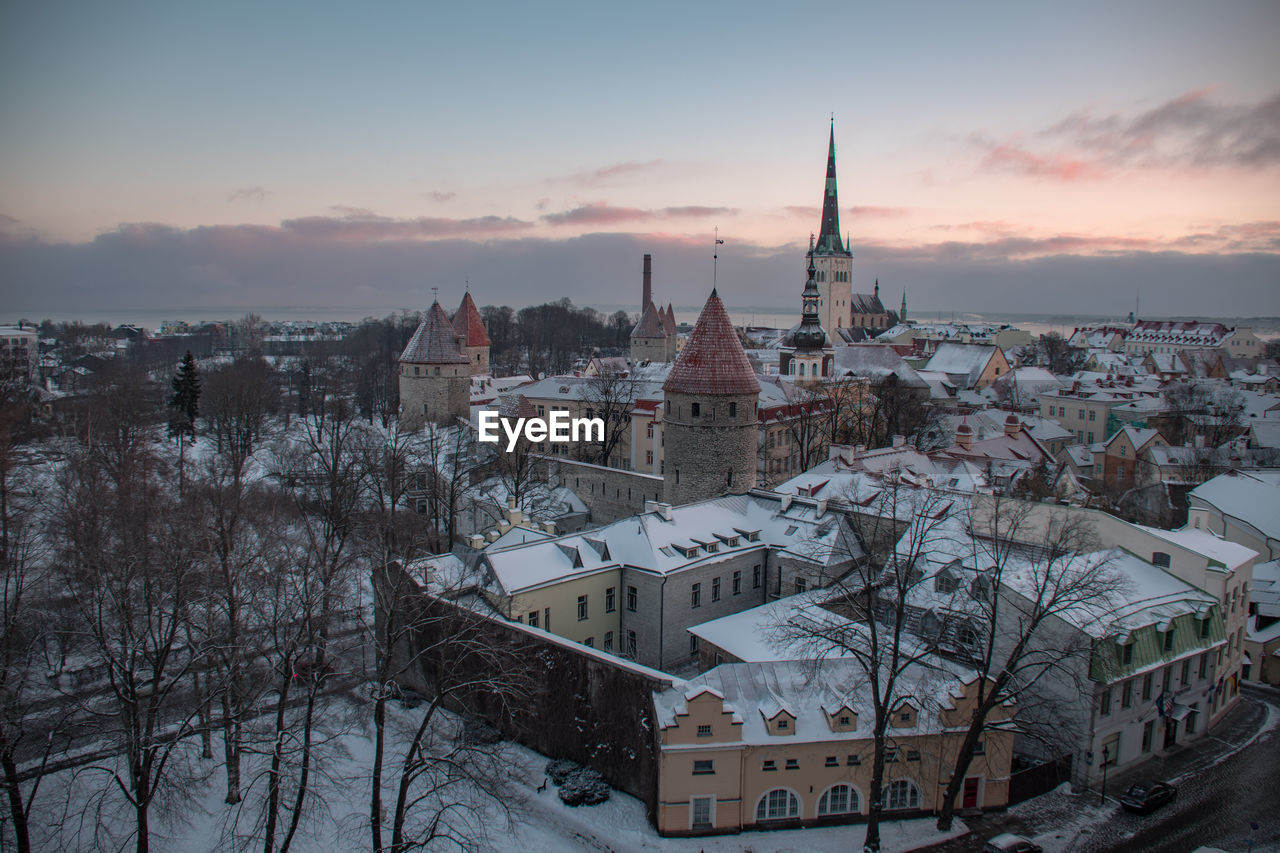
435,294
715,258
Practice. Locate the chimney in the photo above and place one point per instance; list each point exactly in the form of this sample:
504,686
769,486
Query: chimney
475,540
648,282
1012,426
899,440
964,437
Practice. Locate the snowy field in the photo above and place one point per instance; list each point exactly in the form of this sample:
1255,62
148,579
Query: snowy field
82,811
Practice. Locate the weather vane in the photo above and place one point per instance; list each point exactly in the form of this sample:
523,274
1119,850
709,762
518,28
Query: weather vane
435,294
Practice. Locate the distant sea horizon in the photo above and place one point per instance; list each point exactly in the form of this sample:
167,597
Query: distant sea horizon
751,315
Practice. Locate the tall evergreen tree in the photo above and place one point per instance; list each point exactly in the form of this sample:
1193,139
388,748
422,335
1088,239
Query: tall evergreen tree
184,407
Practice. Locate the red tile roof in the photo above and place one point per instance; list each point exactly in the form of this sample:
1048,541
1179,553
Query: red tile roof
669,321
713,361
435,341
650,325
467,321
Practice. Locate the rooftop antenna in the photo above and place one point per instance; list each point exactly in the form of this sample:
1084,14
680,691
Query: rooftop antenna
715,259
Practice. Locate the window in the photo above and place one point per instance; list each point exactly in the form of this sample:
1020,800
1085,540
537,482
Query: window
1168,639
1093,414
1146,687
801,584
831,761
905,716
704,731
769,764
733,410
980,748
838,799
783,724
704,768
693,646
853,760
1126,694
755,577
610,602
631,643
695,595
715,589
533,619
1104,707
778,804
1186,672
902,795
582,608
1204,627
1204,664
845,720
1147,731
608,641
589,642
1191,718
701,812
890,754
631,598
1127,655
1160,559
737,583
1111,751
913,755
793,764
546,618
697,409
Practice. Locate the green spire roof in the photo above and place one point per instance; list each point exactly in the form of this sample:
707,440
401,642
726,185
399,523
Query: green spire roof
829,242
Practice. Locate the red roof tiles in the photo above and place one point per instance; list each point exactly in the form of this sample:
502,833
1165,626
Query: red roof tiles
468,323
713,361
435,341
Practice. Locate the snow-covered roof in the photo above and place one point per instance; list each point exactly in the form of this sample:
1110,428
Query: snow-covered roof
755,635
1250,496
1264,591
874,362
695,534
967,360
1254,634
806,689
1223,552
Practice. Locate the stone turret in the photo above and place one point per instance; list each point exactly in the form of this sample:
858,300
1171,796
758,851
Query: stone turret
709,413
468,323
435,373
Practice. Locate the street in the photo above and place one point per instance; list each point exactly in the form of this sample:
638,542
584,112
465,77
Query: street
1226,783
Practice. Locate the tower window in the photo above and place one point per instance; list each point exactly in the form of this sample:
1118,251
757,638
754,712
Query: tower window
696,409
733,410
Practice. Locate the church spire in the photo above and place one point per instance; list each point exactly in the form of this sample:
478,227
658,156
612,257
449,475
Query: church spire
829,237
902,315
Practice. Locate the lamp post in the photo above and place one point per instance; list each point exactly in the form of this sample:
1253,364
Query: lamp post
1106,755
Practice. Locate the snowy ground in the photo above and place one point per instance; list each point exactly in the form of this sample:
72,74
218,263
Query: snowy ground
80,811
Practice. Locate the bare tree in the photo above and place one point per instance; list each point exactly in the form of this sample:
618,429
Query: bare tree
875,634
1059,356
1021,571
806,417
610,396
236,402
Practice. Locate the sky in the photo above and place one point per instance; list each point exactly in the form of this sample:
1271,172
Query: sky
215,158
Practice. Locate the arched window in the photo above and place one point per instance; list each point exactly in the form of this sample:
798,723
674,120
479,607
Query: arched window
778,804
902,794
838,799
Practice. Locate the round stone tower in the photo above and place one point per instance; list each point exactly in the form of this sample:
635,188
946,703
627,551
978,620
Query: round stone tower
709,423
435,373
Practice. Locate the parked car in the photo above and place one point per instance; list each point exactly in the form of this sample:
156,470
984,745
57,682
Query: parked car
1144,799
1010,843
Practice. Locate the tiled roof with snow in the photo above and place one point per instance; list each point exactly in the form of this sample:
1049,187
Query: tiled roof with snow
1249,496
435,341
713,360
468,323
805,687
967,360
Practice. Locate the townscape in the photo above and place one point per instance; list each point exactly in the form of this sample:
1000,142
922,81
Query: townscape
862,573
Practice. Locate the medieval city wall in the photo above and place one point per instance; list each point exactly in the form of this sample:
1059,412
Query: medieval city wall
610,493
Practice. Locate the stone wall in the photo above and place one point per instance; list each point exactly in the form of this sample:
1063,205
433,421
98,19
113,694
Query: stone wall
710,453
566,701
610,493
434,397
652,349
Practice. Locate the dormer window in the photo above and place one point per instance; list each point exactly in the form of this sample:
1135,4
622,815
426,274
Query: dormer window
1168,639
784,724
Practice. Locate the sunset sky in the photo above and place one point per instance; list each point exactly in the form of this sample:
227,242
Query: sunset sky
1025,157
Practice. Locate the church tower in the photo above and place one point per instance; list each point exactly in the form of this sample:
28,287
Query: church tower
435,373
832,260
709,422
805,354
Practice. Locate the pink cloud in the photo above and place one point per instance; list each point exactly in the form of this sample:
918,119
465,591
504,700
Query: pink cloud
1011,157
603,213
608,173
871,211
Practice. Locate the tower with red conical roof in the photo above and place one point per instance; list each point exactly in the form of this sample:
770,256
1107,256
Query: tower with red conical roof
468,323
653,338
832,259
709,413
435,373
